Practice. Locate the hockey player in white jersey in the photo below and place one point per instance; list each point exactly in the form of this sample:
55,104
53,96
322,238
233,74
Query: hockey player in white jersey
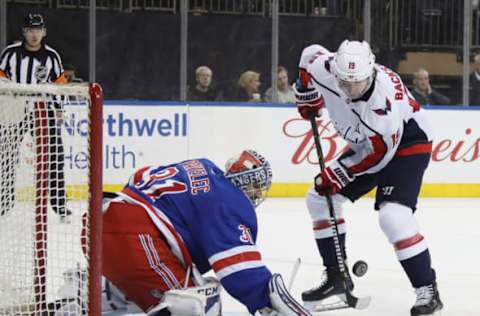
390,145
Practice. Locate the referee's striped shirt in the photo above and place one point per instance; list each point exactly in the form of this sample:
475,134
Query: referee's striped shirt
23,66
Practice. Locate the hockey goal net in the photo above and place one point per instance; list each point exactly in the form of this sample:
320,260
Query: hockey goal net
50,199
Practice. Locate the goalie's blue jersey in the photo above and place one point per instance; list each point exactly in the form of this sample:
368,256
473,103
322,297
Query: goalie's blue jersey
207,221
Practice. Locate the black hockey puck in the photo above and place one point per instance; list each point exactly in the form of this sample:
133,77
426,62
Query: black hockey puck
360,268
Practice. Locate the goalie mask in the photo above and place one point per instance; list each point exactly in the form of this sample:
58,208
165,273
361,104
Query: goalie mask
251,173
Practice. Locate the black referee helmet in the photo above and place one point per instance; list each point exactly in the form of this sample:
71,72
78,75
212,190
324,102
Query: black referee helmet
34,20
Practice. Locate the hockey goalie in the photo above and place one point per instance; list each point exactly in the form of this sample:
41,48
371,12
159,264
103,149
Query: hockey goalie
171,224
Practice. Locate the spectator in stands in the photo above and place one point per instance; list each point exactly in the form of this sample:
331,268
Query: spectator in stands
423,92
319,11
198,11
70,74
316,11
203,90
475,82
248,87
285,91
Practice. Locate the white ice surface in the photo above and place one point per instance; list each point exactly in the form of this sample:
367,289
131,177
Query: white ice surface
450,226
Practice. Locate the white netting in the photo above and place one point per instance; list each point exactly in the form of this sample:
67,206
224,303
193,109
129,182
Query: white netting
43,195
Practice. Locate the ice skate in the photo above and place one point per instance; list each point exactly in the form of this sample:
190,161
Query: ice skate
428,301
331,286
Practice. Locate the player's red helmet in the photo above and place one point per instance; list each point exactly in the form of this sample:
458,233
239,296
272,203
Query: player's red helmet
251,173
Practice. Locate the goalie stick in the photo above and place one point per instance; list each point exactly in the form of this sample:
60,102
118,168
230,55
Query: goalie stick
349,300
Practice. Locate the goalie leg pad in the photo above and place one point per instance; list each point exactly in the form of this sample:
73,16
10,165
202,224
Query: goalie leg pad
282,302
193,301
211,290
180,303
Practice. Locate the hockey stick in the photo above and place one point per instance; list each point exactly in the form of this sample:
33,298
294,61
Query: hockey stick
350,299
296,266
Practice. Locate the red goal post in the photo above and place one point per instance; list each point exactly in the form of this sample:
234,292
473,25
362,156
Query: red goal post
50,199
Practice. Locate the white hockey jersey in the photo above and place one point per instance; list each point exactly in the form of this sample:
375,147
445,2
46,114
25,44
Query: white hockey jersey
386,121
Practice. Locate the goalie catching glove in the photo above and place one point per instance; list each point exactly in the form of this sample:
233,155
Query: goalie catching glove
333,179
308,100
283,304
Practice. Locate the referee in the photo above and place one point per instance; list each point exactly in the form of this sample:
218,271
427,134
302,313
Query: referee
33,62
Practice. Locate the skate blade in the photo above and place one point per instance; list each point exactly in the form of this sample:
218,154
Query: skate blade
328,304
336,302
